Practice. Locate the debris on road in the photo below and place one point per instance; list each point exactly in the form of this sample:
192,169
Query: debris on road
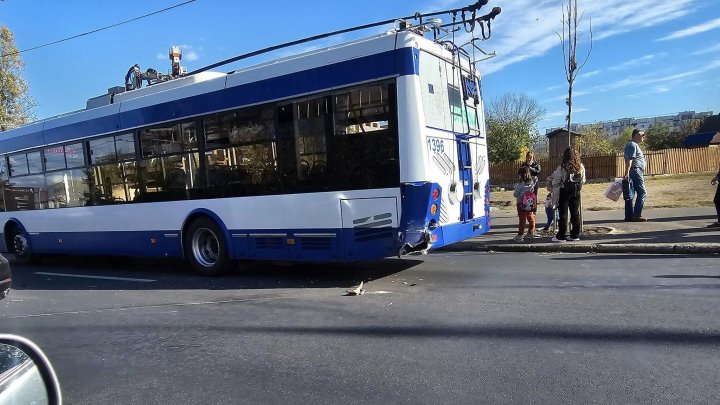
357,290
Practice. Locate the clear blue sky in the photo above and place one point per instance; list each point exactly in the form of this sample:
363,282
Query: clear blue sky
649,57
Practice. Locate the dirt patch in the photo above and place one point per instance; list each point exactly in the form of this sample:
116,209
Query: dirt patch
599,230
676,191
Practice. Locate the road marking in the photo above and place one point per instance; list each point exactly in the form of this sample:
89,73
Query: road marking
139,307
138,280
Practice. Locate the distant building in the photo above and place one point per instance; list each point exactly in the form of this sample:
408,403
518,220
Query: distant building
616,127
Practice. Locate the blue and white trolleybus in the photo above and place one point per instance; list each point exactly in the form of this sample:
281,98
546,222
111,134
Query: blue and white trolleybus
358,151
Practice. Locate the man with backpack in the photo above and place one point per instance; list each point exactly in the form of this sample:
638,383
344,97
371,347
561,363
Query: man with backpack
635,177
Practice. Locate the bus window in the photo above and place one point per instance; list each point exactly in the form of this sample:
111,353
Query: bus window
26,193
239,127
310,120
457,109
107,184
125,146
74,155
34,160
3,168
68,188
442,95
54,158
169,139
102,150
188,132
169,178
18,164
243,170
365,144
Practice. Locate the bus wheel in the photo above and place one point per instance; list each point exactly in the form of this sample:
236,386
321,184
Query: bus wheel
21,246
205,248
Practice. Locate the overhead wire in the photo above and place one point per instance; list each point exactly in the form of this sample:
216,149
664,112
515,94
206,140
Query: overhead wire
98,30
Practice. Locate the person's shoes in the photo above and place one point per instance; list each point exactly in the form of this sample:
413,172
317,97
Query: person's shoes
518,238
571,239
545,229
639,219
555,239
714,225
533,236
628,219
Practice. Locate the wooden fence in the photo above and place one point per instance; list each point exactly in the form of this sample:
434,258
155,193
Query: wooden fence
668,161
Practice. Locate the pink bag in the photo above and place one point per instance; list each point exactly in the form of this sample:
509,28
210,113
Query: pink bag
614,192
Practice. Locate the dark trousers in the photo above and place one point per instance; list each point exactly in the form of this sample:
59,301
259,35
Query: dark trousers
569,202
717,201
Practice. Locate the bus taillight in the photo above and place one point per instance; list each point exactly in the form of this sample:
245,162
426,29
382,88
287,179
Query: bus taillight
435,194
433,209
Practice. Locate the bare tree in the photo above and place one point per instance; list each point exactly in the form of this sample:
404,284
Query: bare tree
511,123
568,39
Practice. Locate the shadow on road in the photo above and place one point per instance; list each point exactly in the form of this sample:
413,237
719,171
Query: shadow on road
90,273
583,333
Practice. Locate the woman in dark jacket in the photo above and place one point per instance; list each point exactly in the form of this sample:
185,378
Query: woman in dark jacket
568,179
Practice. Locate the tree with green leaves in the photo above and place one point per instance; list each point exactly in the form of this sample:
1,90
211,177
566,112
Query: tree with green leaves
711,123
511,126
662,136
618,144
15,102
594,141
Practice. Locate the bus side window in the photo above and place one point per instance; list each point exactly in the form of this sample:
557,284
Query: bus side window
102,150
18,164
74,155
67,188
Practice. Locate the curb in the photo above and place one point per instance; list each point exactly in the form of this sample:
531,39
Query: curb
569,247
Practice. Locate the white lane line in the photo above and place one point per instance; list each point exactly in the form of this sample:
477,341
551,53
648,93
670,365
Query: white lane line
138,280
181,304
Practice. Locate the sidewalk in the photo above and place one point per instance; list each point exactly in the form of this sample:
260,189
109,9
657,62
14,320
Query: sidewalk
668,230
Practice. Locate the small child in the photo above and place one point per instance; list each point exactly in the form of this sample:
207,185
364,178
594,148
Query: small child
526,201
549,211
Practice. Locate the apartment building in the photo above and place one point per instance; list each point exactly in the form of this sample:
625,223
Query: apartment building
616,127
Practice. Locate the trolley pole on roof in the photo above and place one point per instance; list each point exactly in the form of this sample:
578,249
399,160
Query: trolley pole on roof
471,21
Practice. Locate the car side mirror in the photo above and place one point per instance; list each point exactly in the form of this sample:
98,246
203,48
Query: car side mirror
26,376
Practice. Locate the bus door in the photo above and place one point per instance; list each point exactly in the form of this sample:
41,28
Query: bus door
466,178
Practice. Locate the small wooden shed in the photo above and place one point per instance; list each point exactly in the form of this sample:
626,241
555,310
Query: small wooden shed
558,141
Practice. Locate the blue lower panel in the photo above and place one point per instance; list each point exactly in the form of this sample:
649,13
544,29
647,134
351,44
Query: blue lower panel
451,233
316,245
143,243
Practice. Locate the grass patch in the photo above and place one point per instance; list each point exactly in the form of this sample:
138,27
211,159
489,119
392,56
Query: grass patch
666,191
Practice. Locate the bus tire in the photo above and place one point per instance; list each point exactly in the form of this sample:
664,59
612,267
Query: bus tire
205,248
20,246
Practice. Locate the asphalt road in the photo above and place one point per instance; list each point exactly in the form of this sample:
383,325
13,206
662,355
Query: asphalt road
450,327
